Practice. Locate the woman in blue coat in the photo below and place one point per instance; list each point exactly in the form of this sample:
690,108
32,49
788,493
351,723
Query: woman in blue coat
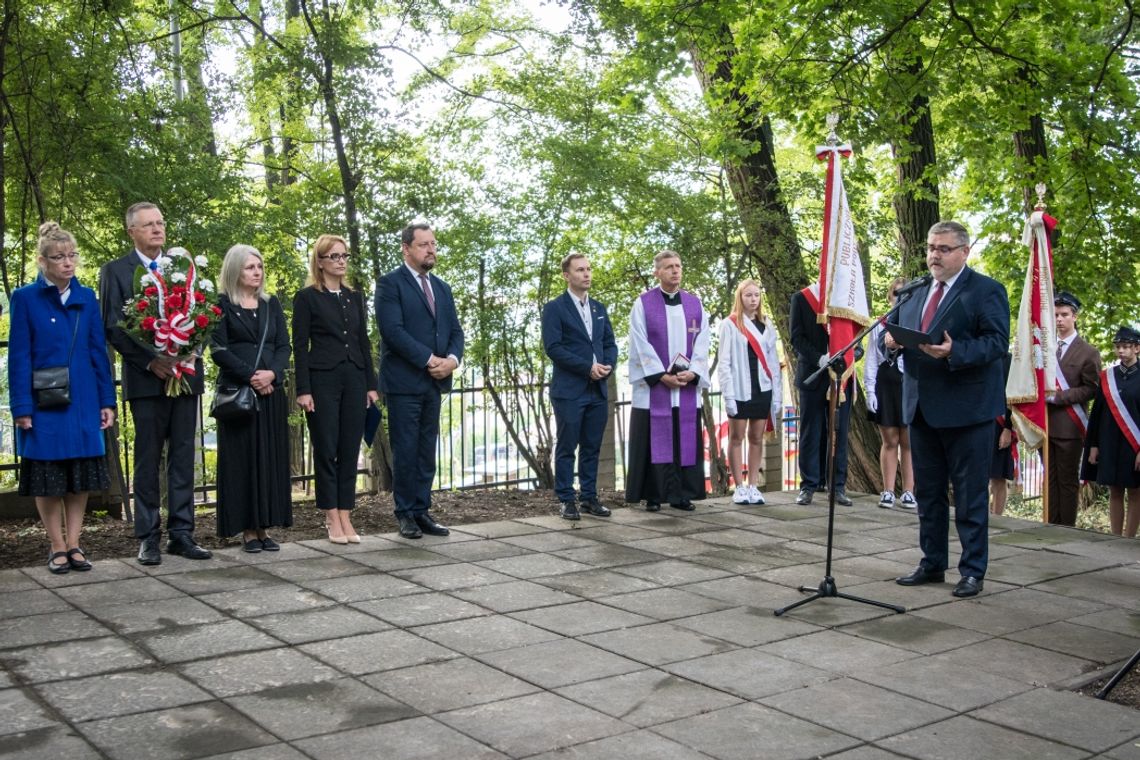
54,322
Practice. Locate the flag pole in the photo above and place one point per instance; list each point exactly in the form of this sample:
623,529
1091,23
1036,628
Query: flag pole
1041,188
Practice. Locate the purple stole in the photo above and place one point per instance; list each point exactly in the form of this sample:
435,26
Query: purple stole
660,406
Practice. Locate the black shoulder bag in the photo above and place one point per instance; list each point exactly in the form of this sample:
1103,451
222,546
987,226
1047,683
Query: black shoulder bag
52,385
238,403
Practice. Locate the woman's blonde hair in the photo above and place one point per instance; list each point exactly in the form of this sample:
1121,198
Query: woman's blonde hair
738,301
321,247
51,236
229,281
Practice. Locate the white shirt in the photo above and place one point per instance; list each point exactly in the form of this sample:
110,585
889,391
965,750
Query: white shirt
945,289
1064,343
583,305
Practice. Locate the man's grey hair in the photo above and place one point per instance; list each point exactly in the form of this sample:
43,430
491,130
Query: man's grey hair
137,207
951,228
666,254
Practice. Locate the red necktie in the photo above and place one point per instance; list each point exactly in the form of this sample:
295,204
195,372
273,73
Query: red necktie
928,315
427,294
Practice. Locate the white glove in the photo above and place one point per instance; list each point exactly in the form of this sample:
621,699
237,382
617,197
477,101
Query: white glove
730,406
824,361
872,402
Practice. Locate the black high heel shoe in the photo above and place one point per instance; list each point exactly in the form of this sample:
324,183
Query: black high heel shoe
80,564
58,569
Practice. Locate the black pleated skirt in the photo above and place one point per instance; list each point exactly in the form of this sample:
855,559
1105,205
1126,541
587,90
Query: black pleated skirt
40,477
254,492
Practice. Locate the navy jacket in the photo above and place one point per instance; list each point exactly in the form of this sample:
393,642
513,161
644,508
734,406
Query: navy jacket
410,334
968,387
40,336
571,349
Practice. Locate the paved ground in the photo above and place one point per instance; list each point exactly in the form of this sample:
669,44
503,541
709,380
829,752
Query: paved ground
646,636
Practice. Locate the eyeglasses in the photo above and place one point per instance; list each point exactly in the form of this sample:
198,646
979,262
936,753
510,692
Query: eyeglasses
73,256
942,250
337,256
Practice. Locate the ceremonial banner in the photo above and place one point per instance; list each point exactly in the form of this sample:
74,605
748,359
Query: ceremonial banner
1033,371
842,292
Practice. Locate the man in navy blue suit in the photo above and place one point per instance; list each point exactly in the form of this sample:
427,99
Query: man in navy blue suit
579,340
952,392
421,345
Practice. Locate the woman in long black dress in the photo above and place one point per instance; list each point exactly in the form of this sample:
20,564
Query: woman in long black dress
336,382
253,455
1112,456
882,380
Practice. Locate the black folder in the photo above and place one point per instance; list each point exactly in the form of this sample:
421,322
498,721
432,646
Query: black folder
908,338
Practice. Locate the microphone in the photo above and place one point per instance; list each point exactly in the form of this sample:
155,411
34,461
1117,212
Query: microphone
913,285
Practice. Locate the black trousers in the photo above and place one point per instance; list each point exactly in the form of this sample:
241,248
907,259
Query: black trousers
336,426
170,423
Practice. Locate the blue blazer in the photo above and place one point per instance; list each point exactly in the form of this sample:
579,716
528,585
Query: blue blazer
968,387
409,334
571,349
40,336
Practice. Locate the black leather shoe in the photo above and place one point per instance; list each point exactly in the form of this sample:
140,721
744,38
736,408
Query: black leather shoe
685,506
652,506
968,586
569,511
430,526
842,499
921,576
408,527
805,496
55,568
148,552
184,546
81,564
269,545
252,546
596,509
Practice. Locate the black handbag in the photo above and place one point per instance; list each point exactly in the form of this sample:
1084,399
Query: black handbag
52,385
236,403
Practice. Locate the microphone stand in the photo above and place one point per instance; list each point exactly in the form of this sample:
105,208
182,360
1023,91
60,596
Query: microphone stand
827,588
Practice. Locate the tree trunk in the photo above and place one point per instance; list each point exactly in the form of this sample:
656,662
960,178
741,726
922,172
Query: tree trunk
916,196
1029,145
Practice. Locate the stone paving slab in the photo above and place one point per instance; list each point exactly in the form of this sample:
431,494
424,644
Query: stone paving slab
645,635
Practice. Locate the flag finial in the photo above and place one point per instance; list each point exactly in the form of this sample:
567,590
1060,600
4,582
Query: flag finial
832,122
1041,188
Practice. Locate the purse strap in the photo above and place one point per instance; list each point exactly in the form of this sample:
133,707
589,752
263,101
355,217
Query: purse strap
264,332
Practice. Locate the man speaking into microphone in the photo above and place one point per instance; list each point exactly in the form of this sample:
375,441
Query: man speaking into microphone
952,391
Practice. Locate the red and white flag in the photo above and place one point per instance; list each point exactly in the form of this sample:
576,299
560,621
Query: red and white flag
1033,371
842,292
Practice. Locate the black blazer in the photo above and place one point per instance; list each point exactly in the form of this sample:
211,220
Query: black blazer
116,286
326,331
233,346
810,341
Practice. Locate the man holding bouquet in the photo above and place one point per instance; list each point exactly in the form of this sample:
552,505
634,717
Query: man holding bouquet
668,365
160,420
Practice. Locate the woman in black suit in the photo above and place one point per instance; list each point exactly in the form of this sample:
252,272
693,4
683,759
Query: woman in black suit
254,493
336,381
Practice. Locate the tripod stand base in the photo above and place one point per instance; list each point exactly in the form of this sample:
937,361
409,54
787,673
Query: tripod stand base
826,589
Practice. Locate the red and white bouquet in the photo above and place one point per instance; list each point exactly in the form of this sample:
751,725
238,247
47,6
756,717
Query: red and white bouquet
173,312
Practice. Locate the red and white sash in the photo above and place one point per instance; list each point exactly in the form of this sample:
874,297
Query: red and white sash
1119,411
755,344
1076,411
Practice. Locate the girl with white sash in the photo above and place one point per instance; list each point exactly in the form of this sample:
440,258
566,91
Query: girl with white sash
1112,445
748,371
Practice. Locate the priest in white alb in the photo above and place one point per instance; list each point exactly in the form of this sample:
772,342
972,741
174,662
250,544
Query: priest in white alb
668,365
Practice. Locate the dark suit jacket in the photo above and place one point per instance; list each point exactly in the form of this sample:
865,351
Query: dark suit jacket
1081,367
571,349
968,387
810,342
233,346
116,285
410,334
325,334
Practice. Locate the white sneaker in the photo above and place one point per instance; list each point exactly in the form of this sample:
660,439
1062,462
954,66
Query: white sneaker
754,496
887,499
907,501
740,495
